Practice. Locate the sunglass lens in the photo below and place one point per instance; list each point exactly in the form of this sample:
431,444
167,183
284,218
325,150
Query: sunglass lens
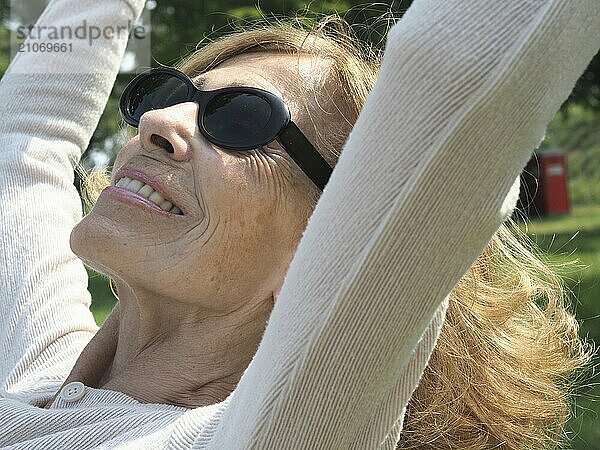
156,91
238,119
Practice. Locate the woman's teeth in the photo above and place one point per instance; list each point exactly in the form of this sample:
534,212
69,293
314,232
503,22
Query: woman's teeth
146,191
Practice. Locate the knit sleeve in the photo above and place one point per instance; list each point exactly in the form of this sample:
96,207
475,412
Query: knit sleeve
50,103
426,177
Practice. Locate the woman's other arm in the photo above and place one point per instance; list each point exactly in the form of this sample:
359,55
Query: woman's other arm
464,95
50,104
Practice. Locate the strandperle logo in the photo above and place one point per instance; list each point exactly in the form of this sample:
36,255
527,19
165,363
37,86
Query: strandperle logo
57,36
84,31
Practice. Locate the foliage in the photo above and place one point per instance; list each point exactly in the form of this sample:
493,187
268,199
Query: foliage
577,132
584,176
587,90
576,128
4,49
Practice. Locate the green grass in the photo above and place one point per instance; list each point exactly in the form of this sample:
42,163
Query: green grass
582,218
564,238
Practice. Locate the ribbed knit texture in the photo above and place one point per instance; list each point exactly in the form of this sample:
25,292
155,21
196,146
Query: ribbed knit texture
428,174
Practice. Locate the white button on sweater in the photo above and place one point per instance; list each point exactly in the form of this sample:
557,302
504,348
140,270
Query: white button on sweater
72,391
458,108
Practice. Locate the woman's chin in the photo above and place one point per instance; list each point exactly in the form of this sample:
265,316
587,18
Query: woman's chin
96,242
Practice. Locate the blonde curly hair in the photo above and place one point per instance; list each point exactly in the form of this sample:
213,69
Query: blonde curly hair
507,360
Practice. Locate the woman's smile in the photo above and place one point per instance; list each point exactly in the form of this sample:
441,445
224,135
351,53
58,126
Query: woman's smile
145,190
137,181
127,195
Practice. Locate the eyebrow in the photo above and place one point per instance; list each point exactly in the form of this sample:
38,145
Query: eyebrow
201,84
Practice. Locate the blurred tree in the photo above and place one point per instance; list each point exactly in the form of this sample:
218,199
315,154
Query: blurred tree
587,90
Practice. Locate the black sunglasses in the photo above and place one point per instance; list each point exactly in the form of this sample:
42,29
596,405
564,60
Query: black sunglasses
233,118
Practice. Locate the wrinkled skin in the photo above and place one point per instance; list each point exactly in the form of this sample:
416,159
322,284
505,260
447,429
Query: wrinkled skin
196,290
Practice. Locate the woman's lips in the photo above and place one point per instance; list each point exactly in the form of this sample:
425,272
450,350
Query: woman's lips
145,190
134,199
137,174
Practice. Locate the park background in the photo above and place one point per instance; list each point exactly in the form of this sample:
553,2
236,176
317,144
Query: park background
177,26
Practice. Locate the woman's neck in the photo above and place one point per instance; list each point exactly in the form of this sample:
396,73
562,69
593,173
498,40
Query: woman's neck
173,353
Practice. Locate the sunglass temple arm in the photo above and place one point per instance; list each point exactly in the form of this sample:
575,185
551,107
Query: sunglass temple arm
305,155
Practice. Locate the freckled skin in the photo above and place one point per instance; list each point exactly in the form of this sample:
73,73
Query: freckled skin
195,291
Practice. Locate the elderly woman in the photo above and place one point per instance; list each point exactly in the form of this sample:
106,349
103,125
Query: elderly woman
248,317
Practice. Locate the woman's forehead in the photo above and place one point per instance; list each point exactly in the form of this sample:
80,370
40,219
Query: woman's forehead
272,71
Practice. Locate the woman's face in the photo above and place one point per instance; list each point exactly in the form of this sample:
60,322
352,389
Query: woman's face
243,213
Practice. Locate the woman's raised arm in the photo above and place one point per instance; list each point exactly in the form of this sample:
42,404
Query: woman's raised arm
463,97
50,104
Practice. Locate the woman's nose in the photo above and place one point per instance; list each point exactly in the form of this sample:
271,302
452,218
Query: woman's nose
169,130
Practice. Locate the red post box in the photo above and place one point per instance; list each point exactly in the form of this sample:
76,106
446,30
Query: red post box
554,181
544,184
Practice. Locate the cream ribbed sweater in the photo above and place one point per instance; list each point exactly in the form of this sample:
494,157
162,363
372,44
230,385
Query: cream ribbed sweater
465,92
